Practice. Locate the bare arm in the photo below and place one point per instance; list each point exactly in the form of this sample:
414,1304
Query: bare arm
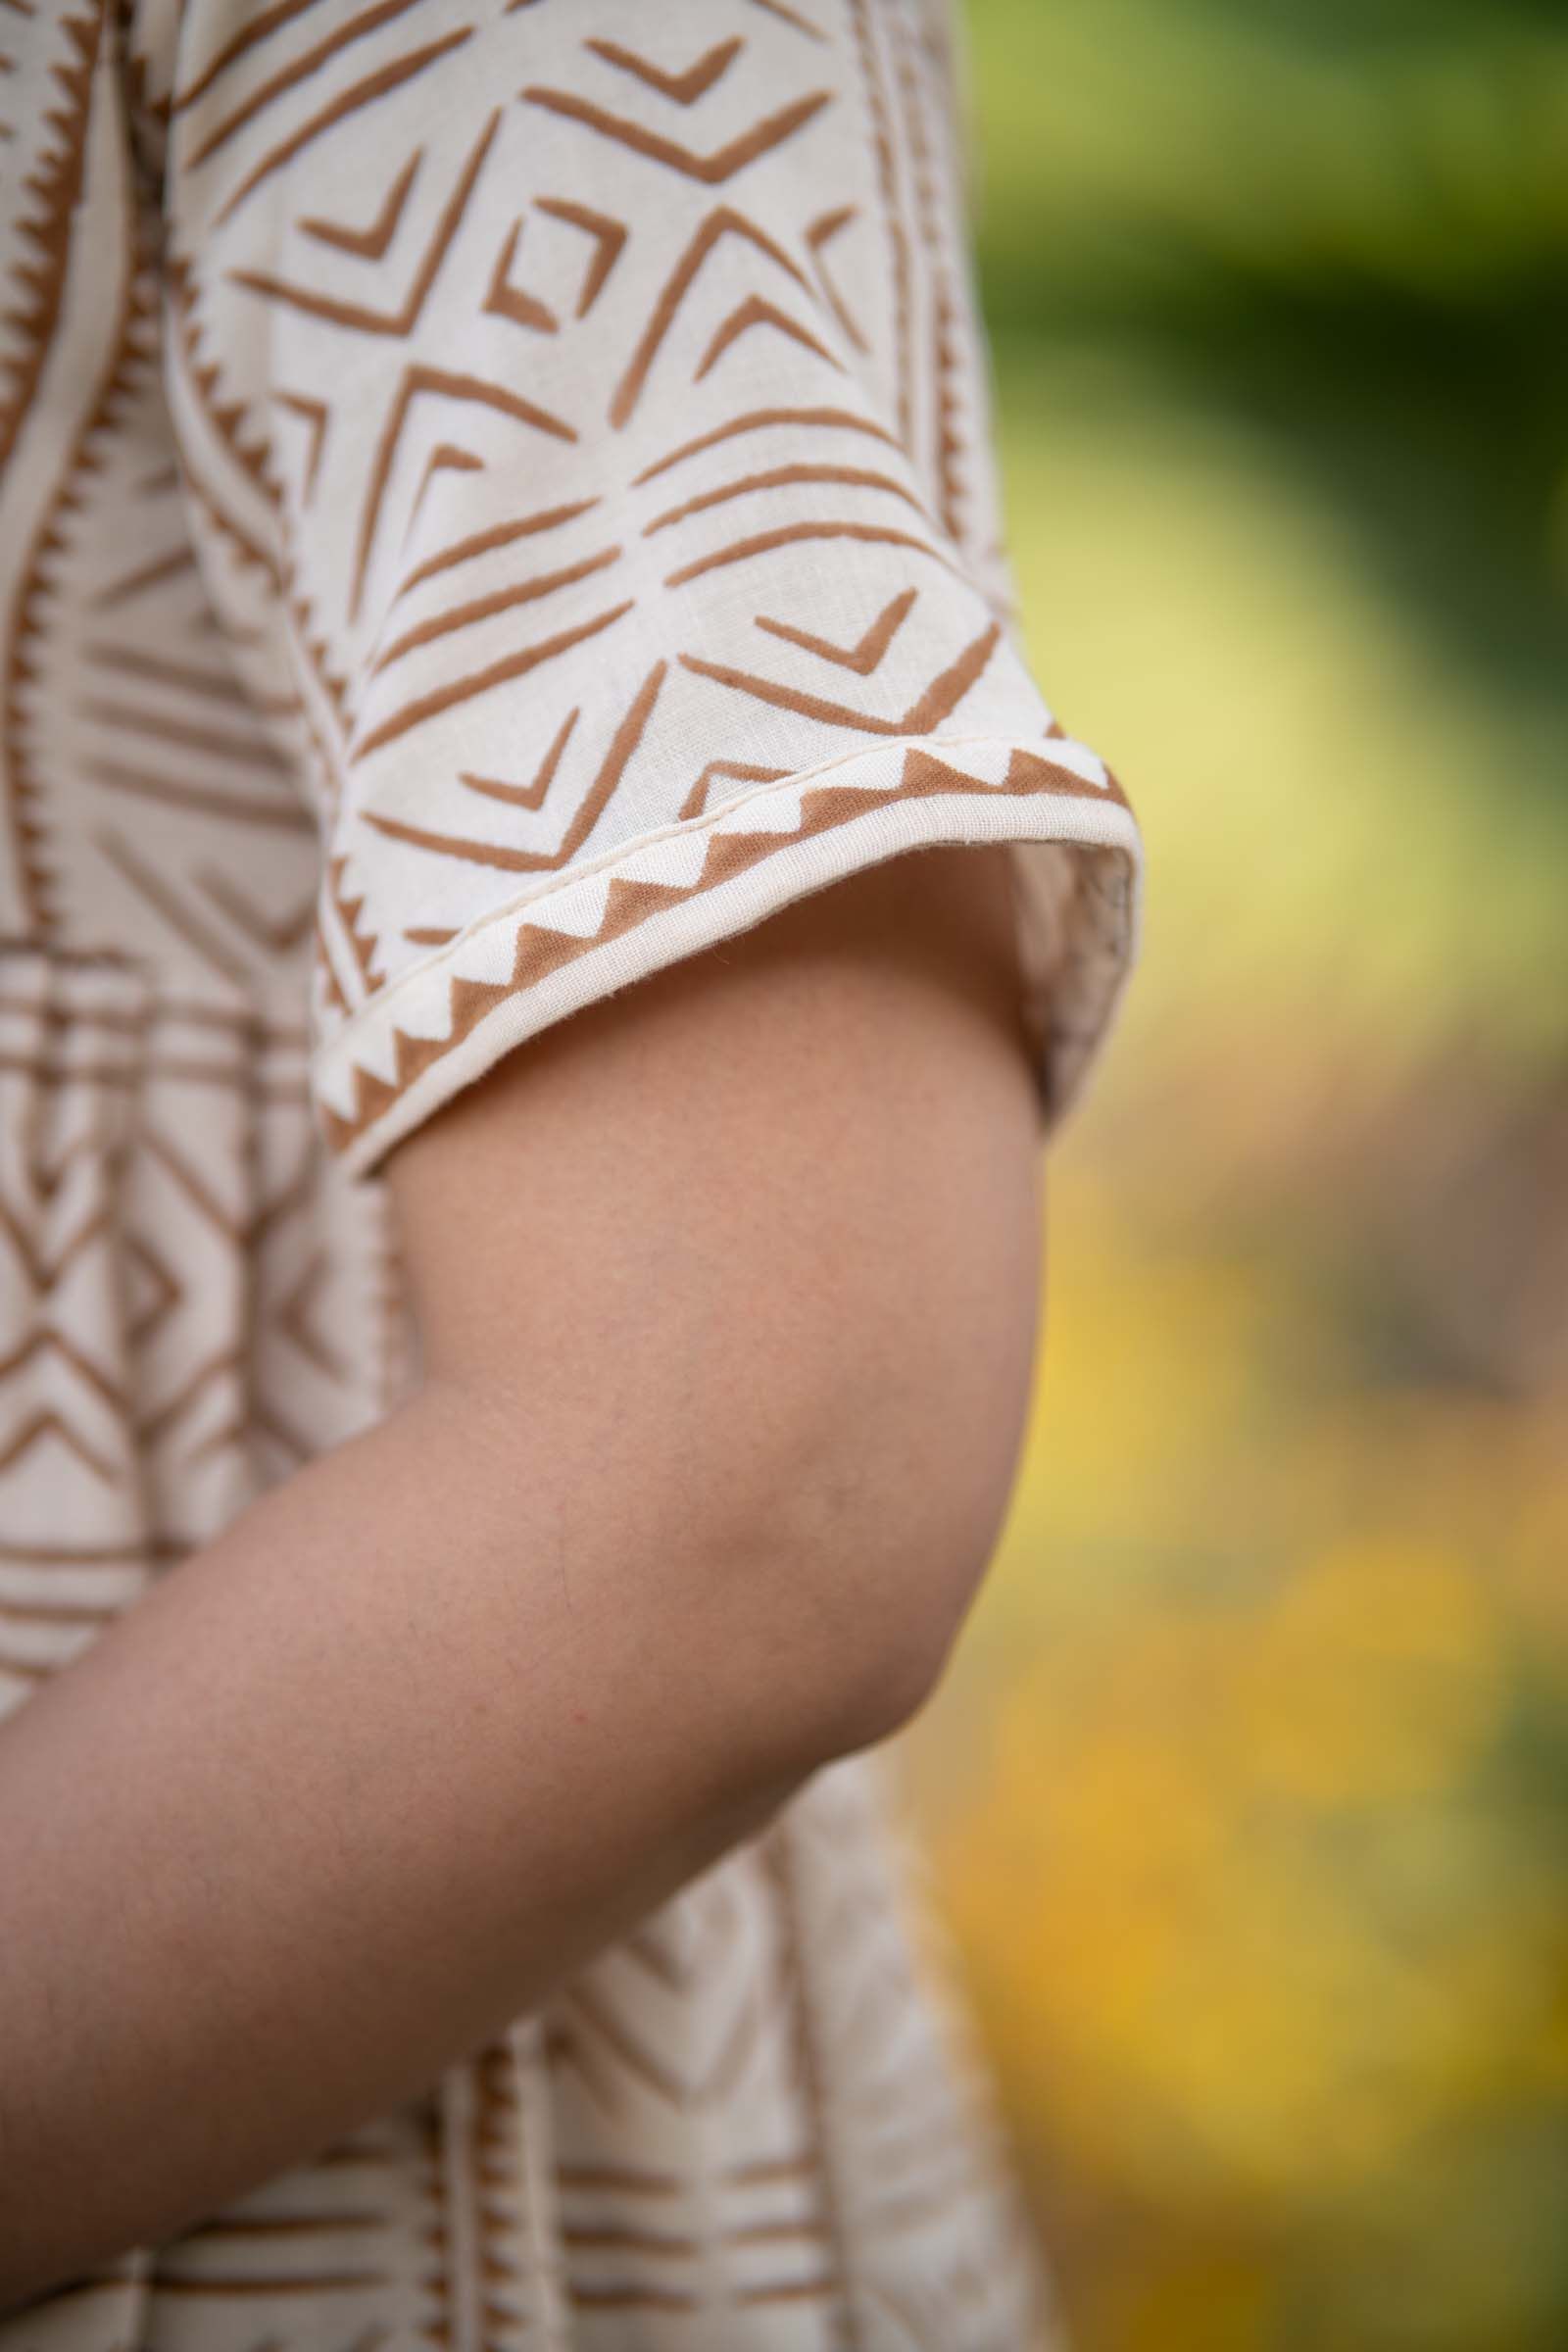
727,1289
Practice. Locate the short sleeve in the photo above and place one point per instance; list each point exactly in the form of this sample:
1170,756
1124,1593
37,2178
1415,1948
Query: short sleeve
582,412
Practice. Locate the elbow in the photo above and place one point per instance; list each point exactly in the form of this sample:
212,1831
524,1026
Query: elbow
906,1589
875,1547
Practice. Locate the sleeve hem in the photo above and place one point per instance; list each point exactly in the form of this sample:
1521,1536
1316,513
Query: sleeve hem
438,1026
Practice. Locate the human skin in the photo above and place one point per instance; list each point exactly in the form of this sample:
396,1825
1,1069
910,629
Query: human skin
726,1289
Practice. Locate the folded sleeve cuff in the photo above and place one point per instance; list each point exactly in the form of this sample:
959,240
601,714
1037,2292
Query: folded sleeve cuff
609,923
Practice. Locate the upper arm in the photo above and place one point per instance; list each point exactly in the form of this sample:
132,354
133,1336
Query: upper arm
757,1241
611,536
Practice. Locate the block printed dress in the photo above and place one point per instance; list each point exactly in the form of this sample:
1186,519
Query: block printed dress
496,497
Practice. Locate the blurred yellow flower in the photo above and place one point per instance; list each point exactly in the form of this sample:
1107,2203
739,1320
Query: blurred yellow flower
1375,1676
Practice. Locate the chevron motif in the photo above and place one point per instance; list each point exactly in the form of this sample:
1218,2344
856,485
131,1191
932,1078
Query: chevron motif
864,657
684,88
371,244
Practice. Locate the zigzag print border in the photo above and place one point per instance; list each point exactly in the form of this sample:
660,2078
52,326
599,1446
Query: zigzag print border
528,965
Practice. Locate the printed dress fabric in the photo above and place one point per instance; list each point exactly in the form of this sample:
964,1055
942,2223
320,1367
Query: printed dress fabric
496,497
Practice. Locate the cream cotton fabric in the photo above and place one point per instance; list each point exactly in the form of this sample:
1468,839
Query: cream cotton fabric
495,497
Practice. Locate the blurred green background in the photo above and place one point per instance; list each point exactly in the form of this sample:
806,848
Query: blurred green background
1247,1788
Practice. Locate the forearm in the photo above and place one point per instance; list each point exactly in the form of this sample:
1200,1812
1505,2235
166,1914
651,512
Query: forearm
728,1351
343,1793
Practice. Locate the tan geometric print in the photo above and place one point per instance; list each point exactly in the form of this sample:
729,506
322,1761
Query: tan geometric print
549,379
494,496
